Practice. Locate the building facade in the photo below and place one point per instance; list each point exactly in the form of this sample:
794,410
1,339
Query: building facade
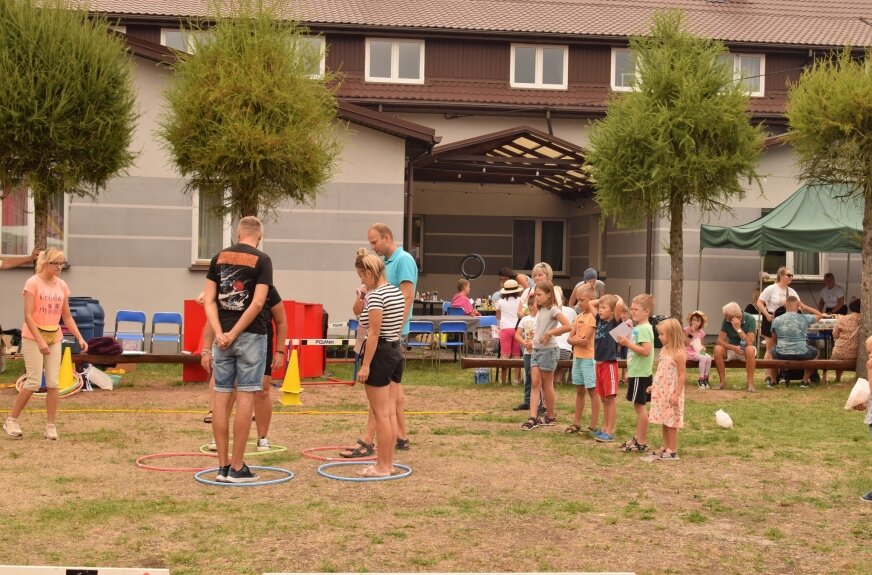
465,128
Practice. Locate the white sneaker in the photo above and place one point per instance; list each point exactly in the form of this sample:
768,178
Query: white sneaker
51,432
263,444
213,446
12,428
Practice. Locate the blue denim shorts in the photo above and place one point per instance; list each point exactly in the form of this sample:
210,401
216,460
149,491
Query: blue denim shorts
545,358
242,363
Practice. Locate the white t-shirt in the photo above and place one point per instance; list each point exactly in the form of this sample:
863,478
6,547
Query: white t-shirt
563,338
508,308
773,296
528,330
831,295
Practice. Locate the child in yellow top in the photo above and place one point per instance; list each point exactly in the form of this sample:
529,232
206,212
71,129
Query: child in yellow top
583,373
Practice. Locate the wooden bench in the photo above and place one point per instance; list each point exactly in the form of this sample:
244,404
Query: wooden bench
822,364
136,358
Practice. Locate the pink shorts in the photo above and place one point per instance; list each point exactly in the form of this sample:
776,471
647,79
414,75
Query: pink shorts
509,346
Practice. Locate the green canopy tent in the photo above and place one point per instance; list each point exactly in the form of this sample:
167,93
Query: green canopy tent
816,218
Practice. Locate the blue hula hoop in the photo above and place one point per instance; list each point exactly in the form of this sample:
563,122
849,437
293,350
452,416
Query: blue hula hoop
288,476
407,471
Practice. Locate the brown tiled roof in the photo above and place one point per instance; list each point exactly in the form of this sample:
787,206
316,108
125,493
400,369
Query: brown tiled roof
785,22
493,93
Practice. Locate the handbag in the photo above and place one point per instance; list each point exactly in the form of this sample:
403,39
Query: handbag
51,334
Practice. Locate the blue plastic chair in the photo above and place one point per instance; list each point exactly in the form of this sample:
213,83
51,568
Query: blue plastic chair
445,306
454,310
166,318
455,343
483,333
127,316
426,330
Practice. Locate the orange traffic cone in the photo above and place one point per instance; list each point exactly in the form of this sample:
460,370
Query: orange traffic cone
291,388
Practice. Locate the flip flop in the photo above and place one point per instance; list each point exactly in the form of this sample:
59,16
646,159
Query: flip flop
369,471
208,418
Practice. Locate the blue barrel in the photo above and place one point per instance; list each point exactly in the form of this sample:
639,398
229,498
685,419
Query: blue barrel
99,315
83,317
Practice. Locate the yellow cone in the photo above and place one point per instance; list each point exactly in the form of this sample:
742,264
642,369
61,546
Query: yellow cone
65,377
291,388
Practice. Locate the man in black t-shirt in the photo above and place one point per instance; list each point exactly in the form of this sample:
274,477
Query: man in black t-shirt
236,288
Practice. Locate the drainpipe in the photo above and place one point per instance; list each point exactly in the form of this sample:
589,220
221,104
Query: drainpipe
548,122
649,254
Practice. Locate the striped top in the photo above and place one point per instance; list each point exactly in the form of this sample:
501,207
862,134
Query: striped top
389,299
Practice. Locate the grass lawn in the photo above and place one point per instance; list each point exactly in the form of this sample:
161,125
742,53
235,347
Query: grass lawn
778,493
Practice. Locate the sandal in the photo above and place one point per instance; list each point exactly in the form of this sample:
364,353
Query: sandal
208,418
572,429
370,472
631,445
402,444
363,449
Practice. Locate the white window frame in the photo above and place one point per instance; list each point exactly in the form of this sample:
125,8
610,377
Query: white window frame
537,235
322,57
737,71
789,261
613,69
395,62
189,37
31,225
539,69
226,235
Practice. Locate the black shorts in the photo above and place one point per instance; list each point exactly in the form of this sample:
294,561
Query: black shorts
636,390
267,370
387,364
766,328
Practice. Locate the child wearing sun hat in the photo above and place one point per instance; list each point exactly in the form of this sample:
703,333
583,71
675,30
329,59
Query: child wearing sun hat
694,347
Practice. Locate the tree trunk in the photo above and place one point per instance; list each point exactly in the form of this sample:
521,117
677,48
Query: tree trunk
40,218
676,253
865,285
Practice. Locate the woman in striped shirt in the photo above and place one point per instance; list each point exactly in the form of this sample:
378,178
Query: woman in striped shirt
381,369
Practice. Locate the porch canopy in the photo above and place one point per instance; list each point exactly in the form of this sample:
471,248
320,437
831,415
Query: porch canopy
520,155
816,218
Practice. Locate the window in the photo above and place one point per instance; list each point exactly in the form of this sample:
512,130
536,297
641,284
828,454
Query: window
318,47
176,39
623,70
749,69
541,67
805,265
18,223
182,40
396,61
536,241
213,231
417,241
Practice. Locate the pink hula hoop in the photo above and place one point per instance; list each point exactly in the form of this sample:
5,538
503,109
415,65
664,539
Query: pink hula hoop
141,465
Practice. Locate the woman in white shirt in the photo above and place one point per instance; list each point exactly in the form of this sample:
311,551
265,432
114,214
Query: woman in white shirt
771,299
507,315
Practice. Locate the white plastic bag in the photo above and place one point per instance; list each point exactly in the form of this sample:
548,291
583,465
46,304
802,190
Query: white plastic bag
98,378
859,395
723,419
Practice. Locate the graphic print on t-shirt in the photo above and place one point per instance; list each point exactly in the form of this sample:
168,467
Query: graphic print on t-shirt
233,291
